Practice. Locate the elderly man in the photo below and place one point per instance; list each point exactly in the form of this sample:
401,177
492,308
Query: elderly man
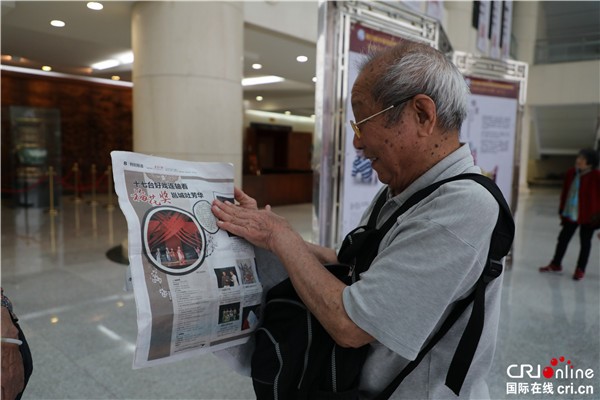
410,102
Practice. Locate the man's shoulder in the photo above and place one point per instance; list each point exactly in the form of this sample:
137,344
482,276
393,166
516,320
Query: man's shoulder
463,207
466,194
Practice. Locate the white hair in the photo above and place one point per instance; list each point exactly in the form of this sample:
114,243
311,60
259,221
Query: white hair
412,68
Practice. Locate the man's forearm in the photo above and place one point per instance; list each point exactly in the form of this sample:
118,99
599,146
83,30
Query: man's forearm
319,289
325,255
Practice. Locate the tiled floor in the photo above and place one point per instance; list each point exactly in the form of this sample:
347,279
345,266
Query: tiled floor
81,325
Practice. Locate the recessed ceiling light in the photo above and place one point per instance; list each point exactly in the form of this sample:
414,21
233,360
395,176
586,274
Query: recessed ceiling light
261,80
314,79
302,59
46,68
115,78
126,58
57,23
259,98
256,66
94,5
105,64
288,113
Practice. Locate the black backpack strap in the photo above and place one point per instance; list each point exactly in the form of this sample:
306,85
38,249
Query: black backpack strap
364,247
372,223
363,242
500,244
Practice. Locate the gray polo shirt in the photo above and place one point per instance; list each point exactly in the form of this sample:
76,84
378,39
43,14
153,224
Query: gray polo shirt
431,258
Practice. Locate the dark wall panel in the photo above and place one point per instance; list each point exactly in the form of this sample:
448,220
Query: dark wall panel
95,119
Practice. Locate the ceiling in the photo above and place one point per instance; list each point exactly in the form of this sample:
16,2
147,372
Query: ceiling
92,36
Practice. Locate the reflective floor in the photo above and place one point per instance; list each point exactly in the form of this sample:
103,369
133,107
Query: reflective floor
81,325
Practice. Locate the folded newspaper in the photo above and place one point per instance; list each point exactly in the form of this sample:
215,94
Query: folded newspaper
196,286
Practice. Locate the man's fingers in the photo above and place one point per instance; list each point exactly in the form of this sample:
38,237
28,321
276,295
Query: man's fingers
239,194
222,211
227,212
244,200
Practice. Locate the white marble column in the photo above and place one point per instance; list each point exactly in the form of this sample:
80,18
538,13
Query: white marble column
187,94
525,28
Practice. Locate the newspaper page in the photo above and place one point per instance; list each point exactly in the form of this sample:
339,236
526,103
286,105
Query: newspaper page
196,286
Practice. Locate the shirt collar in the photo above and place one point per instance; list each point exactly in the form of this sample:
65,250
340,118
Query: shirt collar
457,162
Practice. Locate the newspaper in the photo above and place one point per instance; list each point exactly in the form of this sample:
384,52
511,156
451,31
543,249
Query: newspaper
196,286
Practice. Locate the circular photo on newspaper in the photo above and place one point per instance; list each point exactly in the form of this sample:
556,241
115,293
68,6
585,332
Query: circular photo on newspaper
173,240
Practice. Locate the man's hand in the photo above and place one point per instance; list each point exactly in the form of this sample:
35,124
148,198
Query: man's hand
317,287
259,227
13,375
244,200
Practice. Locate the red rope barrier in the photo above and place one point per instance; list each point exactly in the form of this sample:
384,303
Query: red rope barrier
27,188
65,177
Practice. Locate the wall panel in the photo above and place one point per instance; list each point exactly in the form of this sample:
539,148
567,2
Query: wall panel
95,119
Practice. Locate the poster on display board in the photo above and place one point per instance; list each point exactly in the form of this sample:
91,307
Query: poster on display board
360,183
490,128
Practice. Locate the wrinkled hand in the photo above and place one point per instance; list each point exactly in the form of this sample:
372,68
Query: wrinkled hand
259,227
13,375
244,200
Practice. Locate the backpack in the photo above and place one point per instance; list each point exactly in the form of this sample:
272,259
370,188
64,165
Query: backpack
295,358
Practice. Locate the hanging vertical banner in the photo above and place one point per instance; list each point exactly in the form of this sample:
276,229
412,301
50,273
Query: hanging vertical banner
506,28
483,27
360,183
496,29
490,128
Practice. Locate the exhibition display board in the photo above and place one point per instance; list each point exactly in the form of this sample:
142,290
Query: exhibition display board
490,129
493,124
344,182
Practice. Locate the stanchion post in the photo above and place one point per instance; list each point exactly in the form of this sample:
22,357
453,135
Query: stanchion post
110,205
52,233
52,212
51,173
76,173
93,202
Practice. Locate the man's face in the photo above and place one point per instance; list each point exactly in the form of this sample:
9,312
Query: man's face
392,149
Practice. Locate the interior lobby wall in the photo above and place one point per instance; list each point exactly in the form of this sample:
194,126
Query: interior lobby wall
95,119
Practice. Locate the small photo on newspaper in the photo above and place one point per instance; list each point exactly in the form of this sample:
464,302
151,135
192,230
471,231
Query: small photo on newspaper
196,286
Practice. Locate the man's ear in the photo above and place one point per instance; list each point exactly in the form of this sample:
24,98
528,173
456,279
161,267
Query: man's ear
426,114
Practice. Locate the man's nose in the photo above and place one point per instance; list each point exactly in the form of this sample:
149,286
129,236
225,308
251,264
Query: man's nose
356,142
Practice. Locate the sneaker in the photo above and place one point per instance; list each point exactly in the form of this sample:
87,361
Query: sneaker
551,268
578,275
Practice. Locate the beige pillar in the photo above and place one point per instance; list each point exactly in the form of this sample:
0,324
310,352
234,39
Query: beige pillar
524,27
187,93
